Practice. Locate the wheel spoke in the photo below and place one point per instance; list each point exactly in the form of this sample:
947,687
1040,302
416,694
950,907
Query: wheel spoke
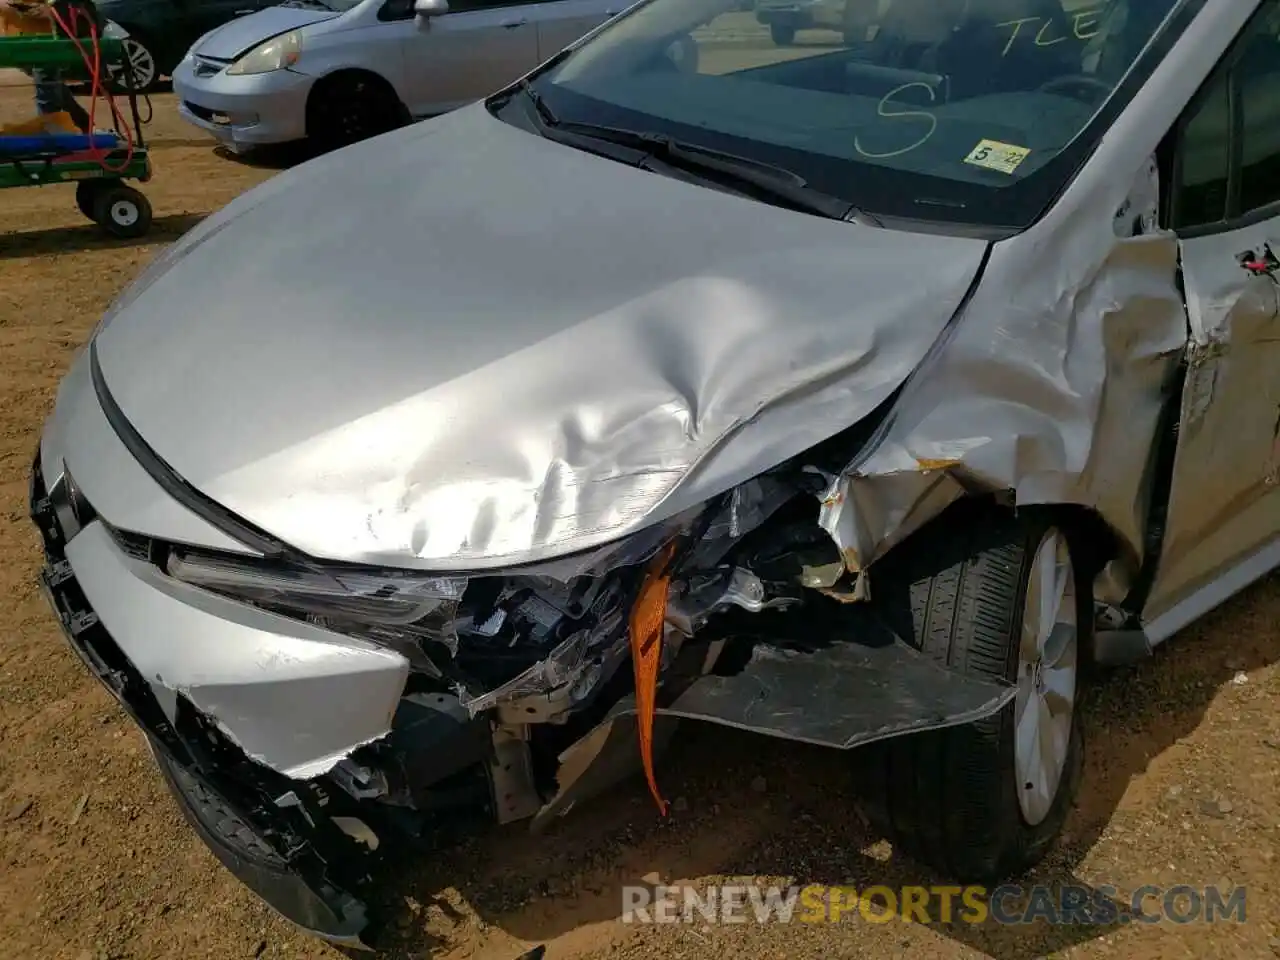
1053,582
1060,690
1060,648
1027,734
1049,752
1029,642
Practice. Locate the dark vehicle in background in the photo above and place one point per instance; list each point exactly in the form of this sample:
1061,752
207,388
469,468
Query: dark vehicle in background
785,17
160,32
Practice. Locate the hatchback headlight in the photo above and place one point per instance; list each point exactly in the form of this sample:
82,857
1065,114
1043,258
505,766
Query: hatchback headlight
278,53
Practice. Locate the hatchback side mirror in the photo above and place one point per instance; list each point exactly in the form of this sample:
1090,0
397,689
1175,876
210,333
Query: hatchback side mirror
426,9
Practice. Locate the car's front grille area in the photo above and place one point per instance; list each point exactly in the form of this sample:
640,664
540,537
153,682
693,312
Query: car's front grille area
132,544
82,628
208,66
204,113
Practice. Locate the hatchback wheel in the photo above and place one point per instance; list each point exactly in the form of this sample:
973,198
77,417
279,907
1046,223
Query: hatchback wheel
347,108
995,598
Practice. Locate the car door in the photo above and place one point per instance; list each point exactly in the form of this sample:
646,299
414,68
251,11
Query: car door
1223,524
561,22
476,48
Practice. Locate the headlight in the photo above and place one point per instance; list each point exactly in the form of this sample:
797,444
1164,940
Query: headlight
276,54
389,606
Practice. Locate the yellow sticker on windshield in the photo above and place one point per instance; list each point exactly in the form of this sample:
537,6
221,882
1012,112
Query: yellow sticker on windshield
994,155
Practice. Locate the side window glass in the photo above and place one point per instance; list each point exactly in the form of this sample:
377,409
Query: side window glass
396,10
1258,77
461,5
1228,160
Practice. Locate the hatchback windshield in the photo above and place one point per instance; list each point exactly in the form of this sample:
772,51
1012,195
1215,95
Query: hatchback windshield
944,110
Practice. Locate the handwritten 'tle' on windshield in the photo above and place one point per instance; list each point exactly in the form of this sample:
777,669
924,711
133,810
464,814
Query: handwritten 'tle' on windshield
1037,32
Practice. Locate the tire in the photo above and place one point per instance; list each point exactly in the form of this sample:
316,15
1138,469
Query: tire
121,211
86,194
782,34
346,108
964,800
146,68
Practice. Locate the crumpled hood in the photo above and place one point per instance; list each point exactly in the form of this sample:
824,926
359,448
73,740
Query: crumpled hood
464,346
237,37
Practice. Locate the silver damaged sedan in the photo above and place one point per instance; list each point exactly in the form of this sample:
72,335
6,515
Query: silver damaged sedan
866,394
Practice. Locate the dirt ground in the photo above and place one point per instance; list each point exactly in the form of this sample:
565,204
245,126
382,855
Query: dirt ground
1181,783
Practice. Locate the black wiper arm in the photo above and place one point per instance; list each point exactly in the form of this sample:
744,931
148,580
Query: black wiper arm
774,183
545,113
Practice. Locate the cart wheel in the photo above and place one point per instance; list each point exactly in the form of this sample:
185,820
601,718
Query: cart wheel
86,194
122,211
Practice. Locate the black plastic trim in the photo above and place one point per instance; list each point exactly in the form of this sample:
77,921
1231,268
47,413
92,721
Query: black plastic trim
171,481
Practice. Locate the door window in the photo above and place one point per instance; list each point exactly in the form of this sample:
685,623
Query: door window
1227,165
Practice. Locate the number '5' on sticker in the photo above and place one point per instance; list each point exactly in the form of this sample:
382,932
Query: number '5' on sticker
994,155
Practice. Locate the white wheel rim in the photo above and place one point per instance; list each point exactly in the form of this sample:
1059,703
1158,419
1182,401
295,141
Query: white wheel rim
124,213
144,65
1048,659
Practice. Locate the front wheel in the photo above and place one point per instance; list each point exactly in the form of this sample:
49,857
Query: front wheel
996,598
782,34
346,108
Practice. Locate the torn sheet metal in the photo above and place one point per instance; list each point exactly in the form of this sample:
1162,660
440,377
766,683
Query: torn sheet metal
844,695
467,418
1223,504
1049,387
292,696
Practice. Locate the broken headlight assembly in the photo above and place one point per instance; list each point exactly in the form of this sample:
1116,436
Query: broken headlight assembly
536,643
399,609
538,640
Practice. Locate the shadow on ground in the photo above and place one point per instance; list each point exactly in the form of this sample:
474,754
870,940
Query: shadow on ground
802,828
272,157
90,236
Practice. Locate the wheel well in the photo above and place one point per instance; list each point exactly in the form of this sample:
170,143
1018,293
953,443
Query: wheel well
1090,533
331,81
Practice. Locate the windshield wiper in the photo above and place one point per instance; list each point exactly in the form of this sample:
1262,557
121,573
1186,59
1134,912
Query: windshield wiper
545,113
766,181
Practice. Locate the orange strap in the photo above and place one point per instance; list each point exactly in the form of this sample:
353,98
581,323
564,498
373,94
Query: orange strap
648,616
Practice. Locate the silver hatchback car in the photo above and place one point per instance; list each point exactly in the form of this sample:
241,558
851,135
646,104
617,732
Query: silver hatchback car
861,395
339,71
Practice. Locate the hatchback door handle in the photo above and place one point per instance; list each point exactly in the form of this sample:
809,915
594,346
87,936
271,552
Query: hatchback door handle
512,24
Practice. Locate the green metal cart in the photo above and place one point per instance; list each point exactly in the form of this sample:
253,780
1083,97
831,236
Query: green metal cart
98,163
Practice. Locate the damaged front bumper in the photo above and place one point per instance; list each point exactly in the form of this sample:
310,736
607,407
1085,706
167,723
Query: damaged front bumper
296,753
223,795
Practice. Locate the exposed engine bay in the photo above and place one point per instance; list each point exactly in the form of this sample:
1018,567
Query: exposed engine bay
538,656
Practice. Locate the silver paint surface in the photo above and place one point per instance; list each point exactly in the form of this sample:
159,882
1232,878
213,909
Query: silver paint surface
460,346
489,361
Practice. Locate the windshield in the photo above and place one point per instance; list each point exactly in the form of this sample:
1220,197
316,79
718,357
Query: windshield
943,110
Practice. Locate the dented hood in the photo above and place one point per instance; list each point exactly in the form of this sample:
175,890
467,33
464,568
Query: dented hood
464,346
